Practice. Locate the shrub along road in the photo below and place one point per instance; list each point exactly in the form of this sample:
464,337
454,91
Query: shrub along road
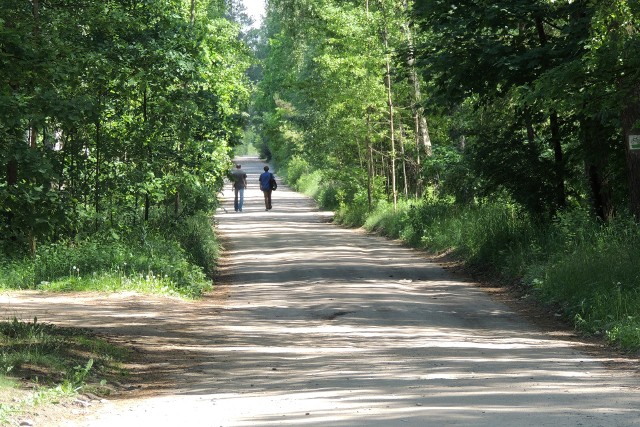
322,326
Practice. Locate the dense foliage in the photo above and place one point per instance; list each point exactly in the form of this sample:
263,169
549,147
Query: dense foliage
117,118
500,129
112,109
533,101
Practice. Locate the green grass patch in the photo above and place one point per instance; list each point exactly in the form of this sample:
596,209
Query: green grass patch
199,242
181,262
593,275
587,268
43,363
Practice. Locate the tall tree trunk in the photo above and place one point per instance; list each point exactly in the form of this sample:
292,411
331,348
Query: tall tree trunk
147,207
192,19
13,167
11,180
176,199
98,170
558,159
531,134
631,132
370,159
12,172
370,170
422,135
556,140
592,135
176,204
391,122
98,166
419,183
147,197
422,138
33,132
601,194
73,178
36,14
404,157
33,136
35,11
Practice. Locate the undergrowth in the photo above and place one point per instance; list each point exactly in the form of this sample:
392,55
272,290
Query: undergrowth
588,269
42,364
179,261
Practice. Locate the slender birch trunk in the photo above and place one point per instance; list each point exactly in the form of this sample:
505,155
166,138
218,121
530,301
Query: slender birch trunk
404,157
391,122
422,138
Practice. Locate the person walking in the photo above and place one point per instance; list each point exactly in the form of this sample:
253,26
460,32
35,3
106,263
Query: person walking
267,184
239,184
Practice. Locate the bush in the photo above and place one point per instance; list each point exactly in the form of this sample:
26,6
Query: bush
324,190
387,221
588,268
296,169
197,238
149,263
354,214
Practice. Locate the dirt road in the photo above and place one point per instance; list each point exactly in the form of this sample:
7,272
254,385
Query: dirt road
322,326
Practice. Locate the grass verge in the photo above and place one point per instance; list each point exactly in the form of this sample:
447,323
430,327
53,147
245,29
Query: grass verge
587,269
44,364
177,262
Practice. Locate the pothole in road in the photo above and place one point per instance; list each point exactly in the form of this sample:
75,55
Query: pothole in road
335,314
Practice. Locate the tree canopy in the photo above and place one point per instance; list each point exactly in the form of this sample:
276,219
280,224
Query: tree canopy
532,101
110,110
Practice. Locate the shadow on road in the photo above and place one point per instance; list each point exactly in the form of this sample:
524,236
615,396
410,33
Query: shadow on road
331,327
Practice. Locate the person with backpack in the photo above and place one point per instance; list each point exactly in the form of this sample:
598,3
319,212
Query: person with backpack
239,178
267,185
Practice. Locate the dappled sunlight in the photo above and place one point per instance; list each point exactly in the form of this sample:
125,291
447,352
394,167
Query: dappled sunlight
331,327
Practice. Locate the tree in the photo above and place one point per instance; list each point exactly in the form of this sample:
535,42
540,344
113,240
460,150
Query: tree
496,55
128,105
330,72
615,39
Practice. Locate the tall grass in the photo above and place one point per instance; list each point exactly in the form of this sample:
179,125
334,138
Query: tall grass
587,268
497,236
321,188
197,238
593,274
52,363
180,261
327,189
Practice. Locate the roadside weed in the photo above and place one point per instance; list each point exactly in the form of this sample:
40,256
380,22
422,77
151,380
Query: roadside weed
42,363
586,268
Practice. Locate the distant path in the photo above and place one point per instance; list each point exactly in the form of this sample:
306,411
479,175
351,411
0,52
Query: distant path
324,326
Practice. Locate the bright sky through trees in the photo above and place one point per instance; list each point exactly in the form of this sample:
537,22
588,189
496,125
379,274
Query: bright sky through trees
255,9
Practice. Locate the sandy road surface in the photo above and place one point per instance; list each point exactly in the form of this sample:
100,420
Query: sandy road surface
330,327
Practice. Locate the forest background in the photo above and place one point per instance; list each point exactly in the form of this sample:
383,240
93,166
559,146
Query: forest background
503,132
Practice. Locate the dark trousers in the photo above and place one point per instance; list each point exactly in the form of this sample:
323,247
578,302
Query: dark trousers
267,198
